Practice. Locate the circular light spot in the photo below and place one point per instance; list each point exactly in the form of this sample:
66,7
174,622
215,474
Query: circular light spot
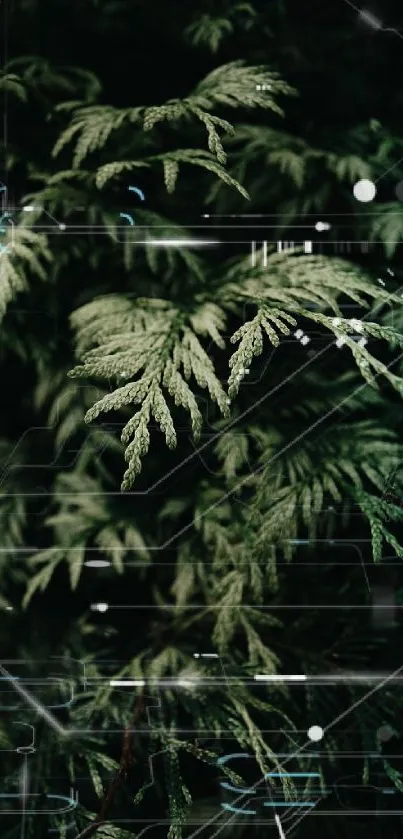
97,563
315,733
364,190
62,226
399,190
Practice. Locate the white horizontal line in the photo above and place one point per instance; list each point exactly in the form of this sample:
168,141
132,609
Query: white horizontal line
279,678
205,655
127,683
191,243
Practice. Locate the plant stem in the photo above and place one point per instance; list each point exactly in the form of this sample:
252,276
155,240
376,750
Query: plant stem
126,762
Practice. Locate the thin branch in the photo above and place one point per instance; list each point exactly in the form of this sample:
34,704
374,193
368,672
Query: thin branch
126,762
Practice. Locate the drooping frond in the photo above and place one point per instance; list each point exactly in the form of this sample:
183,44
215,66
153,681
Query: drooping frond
38,74
84,523
117,338
380,514
386,226
233,85
293,285
22,252
211,31
171,162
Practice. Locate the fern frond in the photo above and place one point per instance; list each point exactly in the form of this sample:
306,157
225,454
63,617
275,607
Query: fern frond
294,284
233,85
111,170
386,226
115,334
379,512
236,85
94,125
27,252
208,31
203,159
251,338
84,520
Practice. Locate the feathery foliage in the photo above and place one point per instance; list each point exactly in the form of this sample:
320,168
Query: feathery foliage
276,385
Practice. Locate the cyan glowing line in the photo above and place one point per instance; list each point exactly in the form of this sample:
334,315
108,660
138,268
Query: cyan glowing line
225,758
289,804
126,215
225,785
236,810
139,192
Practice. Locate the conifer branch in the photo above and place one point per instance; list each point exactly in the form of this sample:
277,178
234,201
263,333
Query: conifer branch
126,762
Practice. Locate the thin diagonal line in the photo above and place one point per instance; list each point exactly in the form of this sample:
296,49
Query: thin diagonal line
34,703
304,746
279,453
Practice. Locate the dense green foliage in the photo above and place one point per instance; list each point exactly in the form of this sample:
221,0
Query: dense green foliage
161,416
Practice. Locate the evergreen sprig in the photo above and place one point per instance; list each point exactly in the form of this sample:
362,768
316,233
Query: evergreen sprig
118,337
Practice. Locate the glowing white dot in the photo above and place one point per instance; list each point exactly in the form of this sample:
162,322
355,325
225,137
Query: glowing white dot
62,226
305,340
357,325
101,607
322,225
315,733
364,190
97,563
